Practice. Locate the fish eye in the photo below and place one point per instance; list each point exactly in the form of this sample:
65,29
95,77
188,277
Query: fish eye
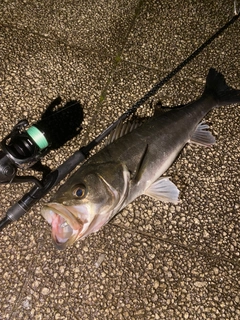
79,191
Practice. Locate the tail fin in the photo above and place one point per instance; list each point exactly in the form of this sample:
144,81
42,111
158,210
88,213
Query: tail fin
216,86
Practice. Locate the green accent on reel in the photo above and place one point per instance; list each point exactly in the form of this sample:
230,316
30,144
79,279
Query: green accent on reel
38,137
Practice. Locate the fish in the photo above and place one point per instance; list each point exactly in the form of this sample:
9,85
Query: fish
133,164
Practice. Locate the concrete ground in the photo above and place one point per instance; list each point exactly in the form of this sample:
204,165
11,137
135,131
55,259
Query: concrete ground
160,261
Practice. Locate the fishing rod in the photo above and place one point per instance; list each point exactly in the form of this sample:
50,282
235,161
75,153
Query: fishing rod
41,188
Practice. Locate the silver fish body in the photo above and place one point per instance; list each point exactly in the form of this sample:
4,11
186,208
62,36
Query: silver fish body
133,165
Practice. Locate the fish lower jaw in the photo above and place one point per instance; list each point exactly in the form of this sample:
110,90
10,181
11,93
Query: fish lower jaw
62,231
65,227
64,235
60,240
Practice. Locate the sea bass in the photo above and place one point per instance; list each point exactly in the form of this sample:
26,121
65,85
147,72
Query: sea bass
133,165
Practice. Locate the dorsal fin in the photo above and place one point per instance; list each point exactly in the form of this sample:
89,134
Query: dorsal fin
124,128
159,108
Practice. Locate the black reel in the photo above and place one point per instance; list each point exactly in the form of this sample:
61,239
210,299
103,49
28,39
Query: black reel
23,148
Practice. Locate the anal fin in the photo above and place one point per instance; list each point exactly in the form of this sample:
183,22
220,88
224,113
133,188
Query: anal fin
202,136
164,190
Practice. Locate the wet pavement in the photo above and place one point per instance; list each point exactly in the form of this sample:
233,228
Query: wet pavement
154,260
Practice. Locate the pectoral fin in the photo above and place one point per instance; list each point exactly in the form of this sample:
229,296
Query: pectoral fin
141,166
202,136
164,190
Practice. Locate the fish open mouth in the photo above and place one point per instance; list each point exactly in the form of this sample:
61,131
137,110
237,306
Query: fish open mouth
65,226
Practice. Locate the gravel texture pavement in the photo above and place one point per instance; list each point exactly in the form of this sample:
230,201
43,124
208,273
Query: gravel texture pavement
153,260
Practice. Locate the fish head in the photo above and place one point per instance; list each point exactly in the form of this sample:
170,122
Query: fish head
87,201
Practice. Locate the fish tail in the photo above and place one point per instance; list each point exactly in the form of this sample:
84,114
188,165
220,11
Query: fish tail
216,86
